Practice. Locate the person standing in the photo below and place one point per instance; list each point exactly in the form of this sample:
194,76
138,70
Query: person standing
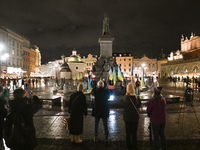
77,108
156,110
33,82
3,113
131,117
20,105
101,110
137,87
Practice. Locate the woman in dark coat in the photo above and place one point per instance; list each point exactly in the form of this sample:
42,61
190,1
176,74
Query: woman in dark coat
20,105
3,113
77,108
131,117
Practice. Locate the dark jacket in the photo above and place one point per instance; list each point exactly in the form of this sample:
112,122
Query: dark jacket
77,108
3,113
101,107
27,111
157,109
130,113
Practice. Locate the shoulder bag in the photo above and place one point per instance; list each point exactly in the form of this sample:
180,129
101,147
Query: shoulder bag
68,119
134,107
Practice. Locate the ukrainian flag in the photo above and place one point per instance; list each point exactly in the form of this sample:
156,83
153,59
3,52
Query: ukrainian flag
89,85
132,72
141,84
119,74
110,75
114,76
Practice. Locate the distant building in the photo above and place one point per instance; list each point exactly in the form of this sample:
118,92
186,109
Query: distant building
26,56
145,65
89,61
184,62
12,44
124,60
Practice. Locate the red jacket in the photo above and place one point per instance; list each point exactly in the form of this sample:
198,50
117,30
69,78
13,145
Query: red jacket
157,109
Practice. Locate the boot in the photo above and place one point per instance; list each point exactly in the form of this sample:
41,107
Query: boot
72,138
78,140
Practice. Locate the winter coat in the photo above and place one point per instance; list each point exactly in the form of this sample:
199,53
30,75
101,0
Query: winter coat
101,107
157,109
77,108
3,113
130,113
27,111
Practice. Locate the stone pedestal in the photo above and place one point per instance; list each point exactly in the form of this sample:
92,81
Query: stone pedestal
106,46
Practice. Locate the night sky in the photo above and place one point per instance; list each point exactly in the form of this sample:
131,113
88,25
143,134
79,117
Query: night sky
138,26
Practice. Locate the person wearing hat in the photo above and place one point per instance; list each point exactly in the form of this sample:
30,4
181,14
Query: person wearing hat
156,110
3,113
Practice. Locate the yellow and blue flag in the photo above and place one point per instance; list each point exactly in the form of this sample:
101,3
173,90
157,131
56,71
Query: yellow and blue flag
110,74
114,76
119,74
89,85
132,72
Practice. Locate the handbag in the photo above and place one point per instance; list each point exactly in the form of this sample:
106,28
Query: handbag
135,108
67,121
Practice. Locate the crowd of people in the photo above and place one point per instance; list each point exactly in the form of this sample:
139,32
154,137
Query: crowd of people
156,110
77,110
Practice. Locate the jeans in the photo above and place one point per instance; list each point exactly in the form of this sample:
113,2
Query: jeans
105,124
131,135
137,90
159,130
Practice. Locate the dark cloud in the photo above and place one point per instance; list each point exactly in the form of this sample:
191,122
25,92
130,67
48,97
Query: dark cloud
138,26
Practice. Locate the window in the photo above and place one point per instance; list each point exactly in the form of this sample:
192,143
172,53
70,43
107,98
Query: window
124,59
9,41
13,51
124,70
17,52
120,65
119,59
13,43
129,70
129,64
76,67
129,59
17,45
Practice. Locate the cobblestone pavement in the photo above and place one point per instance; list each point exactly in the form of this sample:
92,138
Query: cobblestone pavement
181,128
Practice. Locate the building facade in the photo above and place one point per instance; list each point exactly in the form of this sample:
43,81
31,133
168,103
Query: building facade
145,66
89,61
12,44
184,62
125,61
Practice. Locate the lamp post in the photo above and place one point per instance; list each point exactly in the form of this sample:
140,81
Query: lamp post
143,66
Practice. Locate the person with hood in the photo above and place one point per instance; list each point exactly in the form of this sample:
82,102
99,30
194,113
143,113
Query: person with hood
156,110
131,116
27,110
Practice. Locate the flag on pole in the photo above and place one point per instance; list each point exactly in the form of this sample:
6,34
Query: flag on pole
110,74
91,77
132,72
89,85
141,84
114,76
119,74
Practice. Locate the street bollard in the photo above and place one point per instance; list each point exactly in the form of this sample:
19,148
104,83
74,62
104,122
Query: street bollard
54,87
65,88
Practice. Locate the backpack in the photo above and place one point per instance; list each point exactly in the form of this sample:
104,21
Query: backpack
15,130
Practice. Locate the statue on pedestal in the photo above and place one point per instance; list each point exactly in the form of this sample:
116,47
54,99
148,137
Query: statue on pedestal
106,28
